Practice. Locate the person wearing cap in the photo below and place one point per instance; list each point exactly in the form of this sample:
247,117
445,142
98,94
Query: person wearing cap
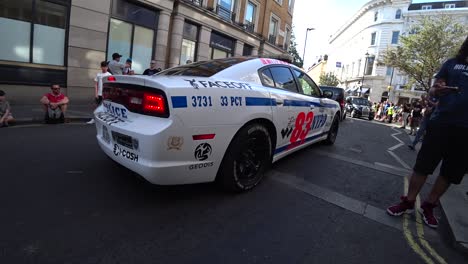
128,67
98,85
115,67
152,69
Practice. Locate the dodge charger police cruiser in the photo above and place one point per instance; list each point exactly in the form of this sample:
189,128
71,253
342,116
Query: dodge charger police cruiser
223,120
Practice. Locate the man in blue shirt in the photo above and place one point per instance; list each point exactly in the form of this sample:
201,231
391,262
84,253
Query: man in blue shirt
446,139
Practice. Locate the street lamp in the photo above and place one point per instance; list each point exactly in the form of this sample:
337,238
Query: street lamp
305,43
364,72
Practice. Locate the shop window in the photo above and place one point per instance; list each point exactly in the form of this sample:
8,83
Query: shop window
132,33
220,46
189,43
46,21
247,50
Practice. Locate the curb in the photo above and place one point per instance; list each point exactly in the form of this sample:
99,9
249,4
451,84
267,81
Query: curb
29,121
458,245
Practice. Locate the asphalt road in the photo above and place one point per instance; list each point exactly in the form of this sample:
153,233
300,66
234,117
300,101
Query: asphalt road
64,201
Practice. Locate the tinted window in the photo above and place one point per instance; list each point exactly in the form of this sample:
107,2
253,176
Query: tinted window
204,68
338,93
267,78
283,78
308,86
360,101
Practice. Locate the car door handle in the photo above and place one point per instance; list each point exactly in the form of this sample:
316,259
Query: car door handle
312,107
279,101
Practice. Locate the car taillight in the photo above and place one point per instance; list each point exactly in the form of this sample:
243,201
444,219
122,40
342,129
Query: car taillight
154,103
342,102
111,78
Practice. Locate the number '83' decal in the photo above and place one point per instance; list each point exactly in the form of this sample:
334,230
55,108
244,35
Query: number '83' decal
300,132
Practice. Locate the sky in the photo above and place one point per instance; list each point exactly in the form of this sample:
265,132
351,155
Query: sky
326,16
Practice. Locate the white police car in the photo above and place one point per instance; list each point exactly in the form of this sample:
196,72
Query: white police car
225,120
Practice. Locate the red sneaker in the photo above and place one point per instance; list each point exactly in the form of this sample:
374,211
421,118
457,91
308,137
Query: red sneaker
405,206
427,212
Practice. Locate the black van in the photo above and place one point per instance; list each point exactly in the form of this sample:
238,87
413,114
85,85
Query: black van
338,95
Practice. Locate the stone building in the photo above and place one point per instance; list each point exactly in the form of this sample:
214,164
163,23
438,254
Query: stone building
63,41
357,45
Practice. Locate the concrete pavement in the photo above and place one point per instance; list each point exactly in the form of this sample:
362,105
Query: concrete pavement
78,111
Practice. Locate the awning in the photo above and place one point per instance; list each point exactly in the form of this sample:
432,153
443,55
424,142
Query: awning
364,90
352,89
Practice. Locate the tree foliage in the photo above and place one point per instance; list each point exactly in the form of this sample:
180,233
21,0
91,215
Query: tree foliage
328,79
430,41
296,59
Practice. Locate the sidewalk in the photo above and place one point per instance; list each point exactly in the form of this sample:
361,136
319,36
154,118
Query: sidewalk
29,113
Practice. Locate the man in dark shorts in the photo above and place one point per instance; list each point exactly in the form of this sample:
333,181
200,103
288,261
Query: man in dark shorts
446,139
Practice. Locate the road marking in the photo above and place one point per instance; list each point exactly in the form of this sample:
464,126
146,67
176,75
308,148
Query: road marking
74,172
350,204
419,226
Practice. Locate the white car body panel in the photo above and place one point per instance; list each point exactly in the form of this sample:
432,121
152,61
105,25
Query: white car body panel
163,149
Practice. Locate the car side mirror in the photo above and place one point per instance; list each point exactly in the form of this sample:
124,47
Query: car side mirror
328,94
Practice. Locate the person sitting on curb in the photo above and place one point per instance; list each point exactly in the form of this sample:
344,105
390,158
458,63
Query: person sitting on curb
55,105
5,111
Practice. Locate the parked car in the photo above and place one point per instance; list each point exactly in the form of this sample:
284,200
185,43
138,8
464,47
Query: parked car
223,120
338,95
359,107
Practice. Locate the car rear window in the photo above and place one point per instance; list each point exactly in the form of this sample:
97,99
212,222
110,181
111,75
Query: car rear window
360,101
204,68
338,93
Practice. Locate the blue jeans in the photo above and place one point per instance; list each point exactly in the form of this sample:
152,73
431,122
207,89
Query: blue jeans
421,130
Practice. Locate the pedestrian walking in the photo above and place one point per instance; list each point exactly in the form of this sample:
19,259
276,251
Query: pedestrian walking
446,139
406,110
6,118
428,104
415,118
98,85
115,67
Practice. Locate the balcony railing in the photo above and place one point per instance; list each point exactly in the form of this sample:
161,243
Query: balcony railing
249,26
272,39
225,13
195,2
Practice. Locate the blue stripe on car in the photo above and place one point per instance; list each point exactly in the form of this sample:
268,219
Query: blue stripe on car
284,148
259,101
179,101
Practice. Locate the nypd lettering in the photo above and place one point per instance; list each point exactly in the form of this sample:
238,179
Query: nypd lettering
319,121
201,166
115,110
118,151
218,84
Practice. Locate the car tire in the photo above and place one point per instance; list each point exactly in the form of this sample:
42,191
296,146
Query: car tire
333,132
371,118
247,158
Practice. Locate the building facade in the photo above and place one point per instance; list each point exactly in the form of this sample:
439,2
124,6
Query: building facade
63,41
378,25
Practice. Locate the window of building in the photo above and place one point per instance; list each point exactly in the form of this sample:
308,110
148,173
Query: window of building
291,5
283,78
395,37
131,33
307,85
273,30
220,46
426,7
280,2
359,66
225,9
370,65
376,16
398,14
287,37
35,31
250,13
389,71
449,5
373,37
247,50
189,43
